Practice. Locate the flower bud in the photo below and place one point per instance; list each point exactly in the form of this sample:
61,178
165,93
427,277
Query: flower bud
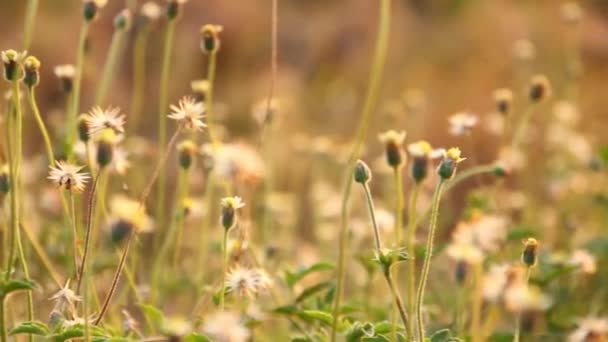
540,88
105,147
393,143
200,88
66,74
120,229
91,9
462,268
447,167
83,128
388,257
210,40
123,20
530,254
186,151
12,64
504,100
362,172
31,66
173,8
422,152
5,183
229,215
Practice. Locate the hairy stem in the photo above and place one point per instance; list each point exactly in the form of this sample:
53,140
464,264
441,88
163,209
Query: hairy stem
109,68
30,19
75,96
411,246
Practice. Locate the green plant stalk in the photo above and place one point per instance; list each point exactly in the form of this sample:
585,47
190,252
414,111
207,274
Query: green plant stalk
182,194
371,101
398,236
26,274
517,333
74,231
3,335
31,97
206,223
11,122
139,76
211,66
44,258
85,304
75,96
476,304
224,268
109,68
522,127
30,19
411,246
426,266
386,271
89,222
163,107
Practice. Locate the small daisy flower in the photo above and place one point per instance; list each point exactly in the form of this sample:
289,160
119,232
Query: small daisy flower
226,326
65,73
451,159
127,216
189,113
521,297
462,123
68,177
247,282
100,119
12,64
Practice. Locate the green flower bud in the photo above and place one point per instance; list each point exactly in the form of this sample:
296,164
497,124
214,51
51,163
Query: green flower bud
210,38
362,172
529,256
31,66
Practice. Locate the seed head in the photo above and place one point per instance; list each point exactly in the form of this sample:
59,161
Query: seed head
13,71
106,141
210,38
503,98
189,113
68,176
91,9
123,20
230,205
451,159
31,65
393,144
65,300
540,88
422,152
127,216
529,256
462,123
362,172
99,120
247,282
174,7
186,152
65,73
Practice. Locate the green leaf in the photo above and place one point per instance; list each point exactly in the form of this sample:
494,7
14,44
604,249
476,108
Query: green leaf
310,291
286,309
316,315
378,338
293,278
521,232
443,335
30,327
386,327
194,337
17,285
153,314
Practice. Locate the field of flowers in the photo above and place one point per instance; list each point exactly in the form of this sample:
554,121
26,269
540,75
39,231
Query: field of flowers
312,170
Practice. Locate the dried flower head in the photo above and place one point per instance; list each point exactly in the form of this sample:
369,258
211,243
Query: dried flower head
99,120
65,300
393,143
189,113
68,177
529,256
503,98
31,66
540,88
462,123
65,73
186,151
106,140
451,159
12,64
210,38
174,7
247,282
229,207
226,326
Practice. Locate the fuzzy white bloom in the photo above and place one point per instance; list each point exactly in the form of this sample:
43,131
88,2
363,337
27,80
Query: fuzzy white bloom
151,10
584,260
65,299
65,71
247,282
189,113
459,251
99,119
524,297
487,232
68,177
462,123
226,327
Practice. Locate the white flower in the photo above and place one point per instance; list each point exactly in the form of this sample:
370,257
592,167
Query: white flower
486,232
422,149
590,329
189,113
462,123
65,71
151,10
226,327
466,252
99,119
68,177
524,297
232,202
65,299
247,282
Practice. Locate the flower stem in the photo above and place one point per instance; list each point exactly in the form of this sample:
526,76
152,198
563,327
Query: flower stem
159,167
182,194
522,127
209,101
26,274
3,335
30,17
109,67
477,302
31,97
224,268
517,333
411,246
75,96
426,266
74,231
87,239
139,76
371,101
163,107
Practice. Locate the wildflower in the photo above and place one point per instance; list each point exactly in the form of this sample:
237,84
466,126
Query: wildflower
91,9
229,207
106,141
127,216
487,232
12,64
68,177
123,20
5,183
362,173
226,326
200,88
239,161
462,123
210,40
65,299
529,255
99,119
539,89
65,73
31,66
590,329
393,142
585,260
451,159
571,12
422,152
173,8
503,98
495,281
247,282
151,11
464,254
83,128
186,151
175,328
188,113
520,297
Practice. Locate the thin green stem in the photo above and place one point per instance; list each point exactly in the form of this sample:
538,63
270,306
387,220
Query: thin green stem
182,194
369,106
26,274
398,205
30,19
109,68
426,266
87,239
163,107
209,101
14,209
31,97
3,335
224,268
206,223
522,127
139,76
411,246
476,304
75,96
74,231
517,333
